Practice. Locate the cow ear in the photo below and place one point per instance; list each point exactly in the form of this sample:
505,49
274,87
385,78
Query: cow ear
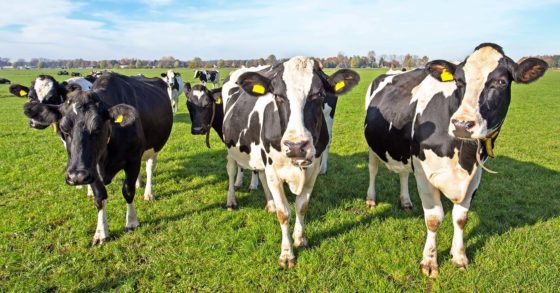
122,114
19,90
529,70
42,113
187,87
441,70
217,96
254,83
178,74
164,74
343,81
71,87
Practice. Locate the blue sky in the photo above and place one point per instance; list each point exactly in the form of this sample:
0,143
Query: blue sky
215,29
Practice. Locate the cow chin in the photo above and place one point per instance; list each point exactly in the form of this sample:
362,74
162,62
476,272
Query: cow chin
37,125
302,162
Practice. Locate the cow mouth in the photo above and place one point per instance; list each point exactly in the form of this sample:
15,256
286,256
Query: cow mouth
37,125
302,162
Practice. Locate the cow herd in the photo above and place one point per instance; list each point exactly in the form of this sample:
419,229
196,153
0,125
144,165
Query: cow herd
439,122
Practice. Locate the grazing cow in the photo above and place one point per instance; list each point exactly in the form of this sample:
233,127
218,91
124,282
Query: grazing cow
441,123
4,81
111,128
205,76
75,74
62,72
206,111
174,88
274,124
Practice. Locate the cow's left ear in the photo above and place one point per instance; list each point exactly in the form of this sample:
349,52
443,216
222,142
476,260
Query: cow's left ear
254,83
187,87
122,114
19,90
441,70
217,95
164,74
343,81
529,70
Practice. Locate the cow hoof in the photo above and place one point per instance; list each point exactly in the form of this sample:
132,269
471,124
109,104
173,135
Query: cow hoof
131,228
370,203
98,240
231,207
148,197
252,188
323,172
235,187
407,207
270,207
430,268
461,262
300,242
287,261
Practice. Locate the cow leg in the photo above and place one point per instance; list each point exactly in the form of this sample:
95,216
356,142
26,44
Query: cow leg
128,191
302,203
270,207
175,105
406,204
100,200
372,166
254,181
231,170
287,258
150,167
325,156
238,179
139,181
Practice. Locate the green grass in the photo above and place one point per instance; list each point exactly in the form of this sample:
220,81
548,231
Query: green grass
187,241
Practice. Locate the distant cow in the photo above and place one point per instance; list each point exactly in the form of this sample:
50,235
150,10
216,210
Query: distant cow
4,81
205,76
274,124
111,128
62,72
206,110
441,122
75,74
174,88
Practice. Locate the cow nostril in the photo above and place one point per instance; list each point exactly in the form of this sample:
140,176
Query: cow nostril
463,124
470,124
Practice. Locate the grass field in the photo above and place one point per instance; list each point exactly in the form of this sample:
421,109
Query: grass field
187,240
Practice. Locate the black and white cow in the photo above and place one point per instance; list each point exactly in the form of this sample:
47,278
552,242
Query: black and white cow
5,81
274,124
441,123
205,76
75,74
206,111
62,72
111,128
174,88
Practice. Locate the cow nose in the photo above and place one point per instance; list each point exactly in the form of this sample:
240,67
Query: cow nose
78,177
462,127
197,130
297,149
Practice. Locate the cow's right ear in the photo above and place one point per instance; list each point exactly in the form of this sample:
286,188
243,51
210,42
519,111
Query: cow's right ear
164,74
122,114
254,83
19,90
441,70
41,113
187,87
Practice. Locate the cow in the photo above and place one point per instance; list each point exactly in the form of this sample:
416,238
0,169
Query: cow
5,81
441,122
45,89
62,72
206,111
274,124
114,127
75,74
174,88
205,76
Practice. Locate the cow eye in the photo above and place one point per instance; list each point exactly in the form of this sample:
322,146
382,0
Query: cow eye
502,82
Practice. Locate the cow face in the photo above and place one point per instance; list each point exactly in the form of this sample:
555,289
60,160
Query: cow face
85,126
298,87
202,105
44,89
484,83
197,73
171,79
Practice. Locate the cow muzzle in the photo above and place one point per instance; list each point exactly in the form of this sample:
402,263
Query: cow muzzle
37,125
198,130
299,152
78,177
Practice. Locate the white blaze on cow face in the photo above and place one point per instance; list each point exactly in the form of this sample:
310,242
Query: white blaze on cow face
477,68
42,88
298,77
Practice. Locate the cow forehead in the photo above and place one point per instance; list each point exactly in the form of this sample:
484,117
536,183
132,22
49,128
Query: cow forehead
480,64
298,77
42,87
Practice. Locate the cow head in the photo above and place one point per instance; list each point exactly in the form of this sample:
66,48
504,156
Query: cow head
484,84
170,77
85,124
197,73
201,103
298,88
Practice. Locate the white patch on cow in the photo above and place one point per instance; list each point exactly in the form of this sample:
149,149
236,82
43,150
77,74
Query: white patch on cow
330,121
74,108
131,217
477,68
42,88
198,94
83,83
387,80
102,230
394,165
151,158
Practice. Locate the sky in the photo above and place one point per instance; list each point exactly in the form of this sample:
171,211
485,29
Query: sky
219,29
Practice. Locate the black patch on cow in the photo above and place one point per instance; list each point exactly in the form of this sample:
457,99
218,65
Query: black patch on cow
263,157
269,160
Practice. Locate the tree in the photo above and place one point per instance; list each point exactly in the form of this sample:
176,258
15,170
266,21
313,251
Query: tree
355,62
176,64
138,64
271,59
41,64
196,62
408,61
221,63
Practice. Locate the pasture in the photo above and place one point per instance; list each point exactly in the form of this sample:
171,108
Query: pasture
188,241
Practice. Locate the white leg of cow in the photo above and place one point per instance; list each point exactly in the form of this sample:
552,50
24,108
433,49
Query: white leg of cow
102,230
325,156
276,187
239,179
131,217
139,181
89,191
254,181
150,168
232,169
372,166
270,207
406,204
302,204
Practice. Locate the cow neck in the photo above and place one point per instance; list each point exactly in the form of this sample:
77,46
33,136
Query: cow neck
216,122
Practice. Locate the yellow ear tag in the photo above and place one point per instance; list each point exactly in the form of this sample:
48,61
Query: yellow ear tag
258,89
119,119
339,85
446,75
218,101
22,93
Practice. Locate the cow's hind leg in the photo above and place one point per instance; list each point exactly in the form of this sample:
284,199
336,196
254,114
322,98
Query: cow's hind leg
254,181
128,191
372,167
302,204
406,204
238,179
150,168
231,170
270,207
100,200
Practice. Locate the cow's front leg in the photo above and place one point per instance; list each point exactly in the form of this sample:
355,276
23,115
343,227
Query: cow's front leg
287,258
128,191
238,179
406,204
232,169
100,200
302,203
372,167
254,181
150,168
270,206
